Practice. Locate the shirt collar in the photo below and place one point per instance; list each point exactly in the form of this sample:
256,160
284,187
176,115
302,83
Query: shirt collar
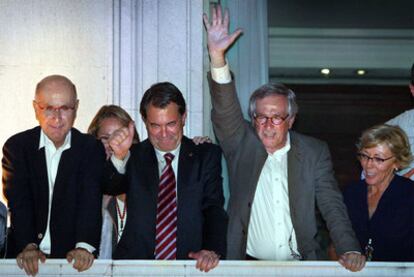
160,154
44,141
278,154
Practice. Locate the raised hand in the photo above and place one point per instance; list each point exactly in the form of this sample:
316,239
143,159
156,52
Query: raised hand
218,37
200,140
121,140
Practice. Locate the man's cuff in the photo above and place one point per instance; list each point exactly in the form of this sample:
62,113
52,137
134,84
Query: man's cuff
85,246
221,75
120,164
32,245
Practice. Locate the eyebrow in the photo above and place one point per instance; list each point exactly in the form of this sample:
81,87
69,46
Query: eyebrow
374,156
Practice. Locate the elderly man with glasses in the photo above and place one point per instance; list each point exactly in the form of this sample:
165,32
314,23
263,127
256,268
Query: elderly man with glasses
277,177
51,180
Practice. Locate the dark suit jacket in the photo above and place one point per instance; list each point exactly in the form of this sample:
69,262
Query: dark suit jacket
202,221
391,227
76,204
311,181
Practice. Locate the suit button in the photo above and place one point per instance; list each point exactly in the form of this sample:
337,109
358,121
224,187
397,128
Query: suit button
249,204
40,236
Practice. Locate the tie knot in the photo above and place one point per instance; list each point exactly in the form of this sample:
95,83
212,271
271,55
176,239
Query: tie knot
168,157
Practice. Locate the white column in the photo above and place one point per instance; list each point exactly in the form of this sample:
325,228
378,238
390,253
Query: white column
156,41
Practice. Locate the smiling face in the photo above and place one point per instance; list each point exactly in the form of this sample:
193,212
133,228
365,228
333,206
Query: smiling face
378,173
273,136
55,106
165,126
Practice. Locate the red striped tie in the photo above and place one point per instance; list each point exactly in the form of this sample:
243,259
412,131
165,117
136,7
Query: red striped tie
166,228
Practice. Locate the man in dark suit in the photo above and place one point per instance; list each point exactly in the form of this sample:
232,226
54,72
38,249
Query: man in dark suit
51,180
277,177
197,215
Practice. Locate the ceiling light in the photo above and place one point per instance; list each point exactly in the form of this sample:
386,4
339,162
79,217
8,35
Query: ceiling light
325,71
361,72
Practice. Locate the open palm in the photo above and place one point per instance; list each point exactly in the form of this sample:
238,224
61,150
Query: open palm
218,37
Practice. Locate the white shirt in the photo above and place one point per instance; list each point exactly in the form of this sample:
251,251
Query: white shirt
406,122
121,164
52,163
162,163
270,235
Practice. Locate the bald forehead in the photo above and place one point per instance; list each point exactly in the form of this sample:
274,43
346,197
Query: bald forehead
56,84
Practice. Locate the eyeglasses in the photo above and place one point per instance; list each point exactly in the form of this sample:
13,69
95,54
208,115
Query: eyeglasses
378,161
276,120
51,110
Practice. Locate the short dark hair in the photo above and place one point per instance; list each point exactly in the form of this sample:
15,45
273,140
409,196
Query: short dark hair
412,74
161,95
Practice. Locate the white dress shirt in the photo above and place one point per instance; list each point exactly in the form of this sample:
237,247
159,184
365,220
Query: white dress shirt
121,164
406,122
52,163
271,235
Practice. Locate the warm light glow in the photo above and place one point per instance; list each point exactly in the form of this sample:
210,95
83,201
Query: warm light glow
325,71
361,72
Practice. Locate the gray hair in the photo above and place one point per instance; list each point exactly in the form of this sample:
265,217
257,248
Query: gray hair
273,89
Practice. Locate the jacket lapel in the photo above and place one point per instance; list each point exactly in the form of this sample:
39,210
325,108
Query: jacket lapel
294,180
186,166
67,164
150,167
39,158
42,186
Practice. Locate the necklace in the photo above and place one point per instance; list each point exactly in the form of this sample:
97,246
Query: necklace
121,215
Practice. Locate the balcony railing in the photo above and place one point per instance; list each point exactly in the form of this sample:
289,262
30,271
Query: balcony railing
134,268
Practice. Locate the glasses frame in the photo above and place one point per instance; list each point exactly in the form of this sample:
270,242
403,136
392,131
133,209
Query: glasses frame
376,160
51,110
267,118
